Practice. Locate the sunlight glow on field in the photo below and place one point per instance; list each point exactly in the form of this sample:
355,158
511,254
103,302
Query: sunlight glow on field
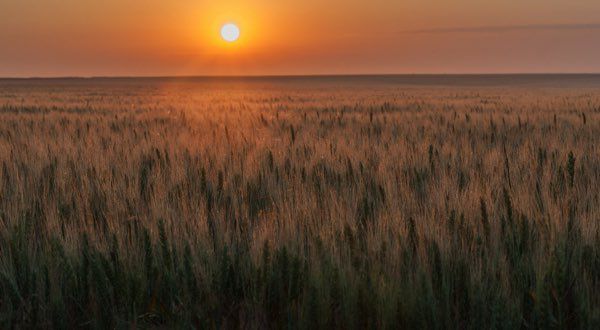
199,194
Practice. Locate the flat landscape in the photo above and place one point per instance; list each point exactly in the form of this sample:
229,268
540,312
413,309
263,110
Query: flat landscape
429,202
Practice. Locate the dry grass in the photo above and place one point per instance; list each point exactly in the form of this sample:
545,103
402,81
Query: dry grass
298,204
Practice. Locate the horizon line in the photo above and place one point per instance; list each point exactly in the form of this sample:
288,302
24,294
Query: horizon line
325,75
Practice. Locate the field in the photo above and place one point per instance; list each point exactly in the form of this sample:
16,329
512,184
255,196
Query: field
332,202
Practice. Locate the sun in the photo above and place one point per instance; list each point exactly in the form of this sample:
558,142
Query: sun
230,32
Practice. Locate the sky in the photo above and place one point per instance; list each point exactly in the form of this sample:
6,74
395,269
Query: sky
50,38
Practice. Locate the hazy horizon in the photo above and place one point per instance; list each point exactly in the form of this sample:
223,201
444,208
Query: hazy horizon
311,75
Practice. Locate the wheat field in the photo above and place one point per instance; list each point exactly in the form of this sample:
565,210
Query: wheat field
336,202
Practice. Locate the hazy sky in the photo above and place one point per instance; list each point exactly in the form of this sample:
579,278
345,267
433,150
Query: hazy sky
152,37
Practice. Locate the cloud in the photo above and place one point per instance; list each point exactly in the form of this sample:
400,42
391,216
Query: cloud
510,28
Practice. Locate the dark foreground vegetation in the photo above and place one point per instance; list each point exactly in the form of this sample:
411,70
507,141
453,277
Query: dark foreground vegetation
299,207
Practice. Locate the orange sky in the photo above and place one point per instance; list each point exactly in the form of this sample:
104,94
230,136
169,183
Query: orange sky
151,37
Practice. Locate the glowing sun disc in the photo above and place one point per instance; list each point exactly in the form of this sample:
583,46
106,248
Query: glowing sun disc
230,32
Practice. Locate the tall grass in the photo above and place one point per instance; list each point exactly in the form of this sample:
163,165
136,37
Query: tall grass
294,206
